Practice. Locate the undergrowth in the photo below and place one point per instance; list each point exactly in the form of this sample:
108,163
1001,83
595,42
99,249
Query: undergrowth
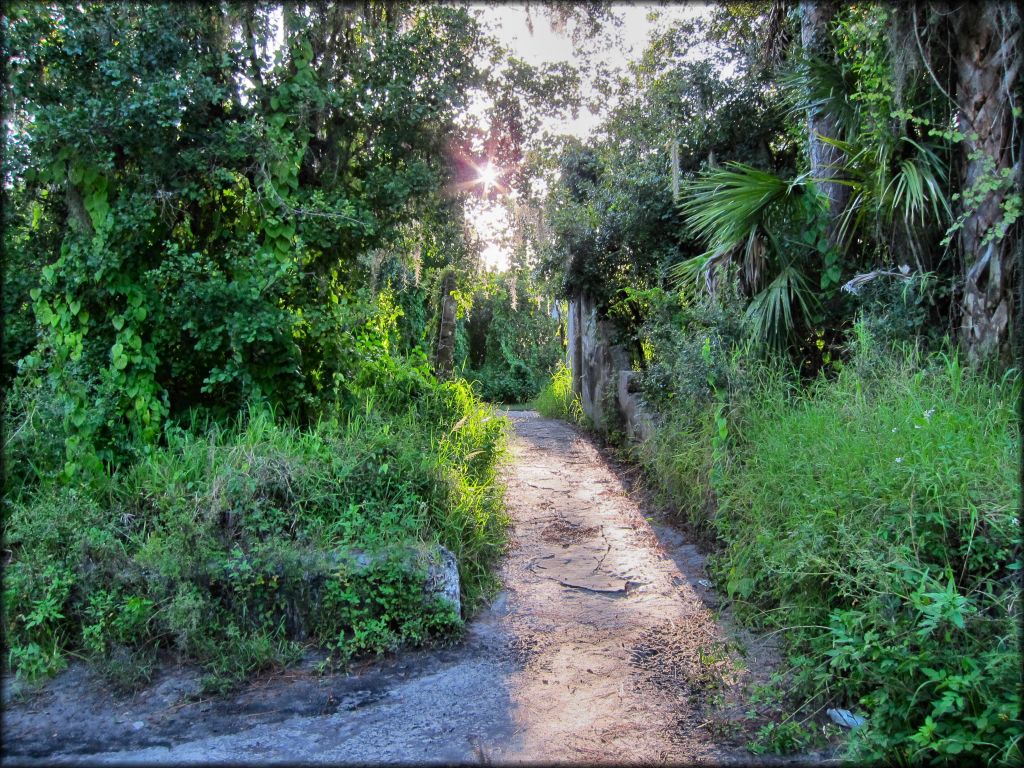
235,543
557,400
872,519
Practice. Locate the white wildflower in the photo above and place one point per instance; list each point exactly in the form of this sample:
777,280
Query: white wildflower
928,414
899,459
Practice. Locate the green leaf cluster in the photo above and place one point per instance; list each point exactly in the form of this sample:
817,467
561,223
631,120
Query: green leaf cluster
513,338
189,213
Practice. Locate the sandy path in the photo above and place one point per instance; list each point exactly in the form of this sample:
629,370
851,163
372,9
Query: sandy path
623,649
603,647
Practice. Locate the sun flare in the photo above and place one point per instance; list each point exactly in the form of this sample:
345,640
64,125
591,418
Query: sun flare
488,176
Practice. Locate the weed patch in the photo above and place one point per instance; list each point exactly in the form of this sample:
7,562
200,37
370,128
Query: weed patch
557,400
873,519
234,544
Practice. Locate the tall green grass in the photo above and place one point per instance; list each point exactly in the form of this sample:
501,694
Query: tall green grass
678,458
207,545
557,400
873,519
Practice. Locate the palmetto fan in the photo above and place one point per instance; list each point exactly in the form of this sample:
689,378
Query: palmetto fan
742,214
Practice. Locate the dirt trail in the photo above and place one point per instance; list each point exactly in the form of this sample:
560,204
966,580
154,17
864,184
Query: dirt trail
603,647
624,659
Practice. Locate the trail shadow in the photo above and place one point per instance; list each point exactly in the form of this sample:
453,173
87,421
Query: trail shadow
444,703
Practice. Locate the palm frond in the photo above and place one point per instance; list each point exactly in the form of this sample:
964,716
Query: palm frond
770,314
854,163
723,206
883,191
690,270
735,211
817,85
918,186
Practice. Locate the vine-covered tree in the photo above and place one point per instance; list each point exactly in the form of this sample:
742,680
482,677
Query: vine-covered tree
193,205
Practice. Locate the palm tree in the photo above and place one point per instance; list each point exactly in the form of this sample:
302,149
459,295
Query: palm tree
988,63
747,216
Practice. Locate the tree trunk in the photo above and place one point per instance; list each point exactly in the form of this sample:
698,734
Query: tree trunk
444,362
988,65
826,160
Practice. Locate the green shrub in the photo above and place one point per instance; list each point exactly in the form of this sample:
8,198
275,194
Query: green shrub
506,381
688,345
874,519
46,538
208,544
694,377
512,341
557,400
47,413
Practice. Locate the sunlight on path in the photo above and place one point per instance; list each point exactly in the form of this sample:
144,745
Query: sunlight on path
618,649
602,648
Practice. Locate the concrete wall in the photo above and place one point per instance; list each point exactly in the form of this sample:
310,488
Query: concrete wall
601,373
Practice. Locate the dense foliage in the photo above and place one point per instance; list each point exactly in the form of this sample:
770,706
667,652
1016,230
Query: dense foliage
705,174
218,252
512,338
197,242
873,519
232,543
892,562
613,215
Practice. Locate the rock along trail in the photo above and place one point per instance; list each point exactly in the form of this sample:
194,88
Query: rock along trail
603,647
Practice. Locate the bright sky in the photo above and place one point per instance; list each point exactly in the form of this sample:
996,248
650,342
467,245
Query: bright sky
508,22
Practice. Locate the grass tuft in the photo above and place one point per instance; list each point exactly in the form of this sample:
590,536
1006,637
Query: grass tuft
557,400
